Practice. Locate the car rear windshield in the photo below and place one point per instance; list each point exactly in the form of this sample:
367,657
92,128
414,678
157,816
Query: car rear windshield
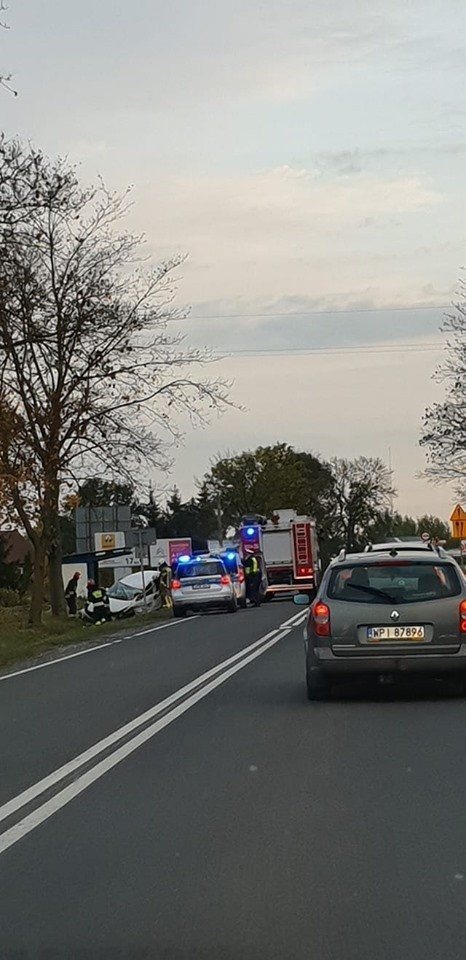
211,568
394,582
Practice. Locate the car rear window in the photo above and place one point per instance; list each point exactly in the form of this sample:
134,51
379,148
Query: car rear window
210,568
394,582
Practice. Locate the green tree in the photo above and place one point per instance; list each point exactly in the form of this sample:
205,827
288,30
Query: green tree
362,488
438,529
387,524
150,513
268,479
95,492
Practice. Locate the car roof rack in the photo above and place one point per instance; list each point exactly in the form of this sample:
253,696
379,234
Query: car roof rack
404,547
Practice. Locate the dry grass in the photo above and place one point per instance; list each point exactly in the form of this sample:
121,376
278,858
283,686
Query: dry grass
19,642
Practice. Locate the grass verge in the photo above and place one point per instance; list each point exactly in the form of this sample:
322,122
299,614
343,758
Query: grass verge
19,642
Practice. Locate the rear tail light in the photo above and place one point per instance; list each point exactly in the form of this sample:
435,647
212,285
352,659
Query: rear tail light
305,571
320,614
241,576
225,581
176,585
463,616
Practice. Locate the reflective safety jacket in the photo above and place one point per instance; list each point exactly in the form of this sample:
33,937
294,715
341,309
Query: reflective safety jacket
98,597
252,566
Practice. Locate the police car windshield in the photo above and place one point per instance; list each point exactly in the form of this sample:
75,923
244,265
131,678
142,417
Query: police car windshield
205,568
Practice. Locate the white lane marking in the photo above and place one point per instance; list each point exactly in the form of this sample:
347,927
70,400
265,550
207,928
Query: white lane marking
171,623
297,623
295,619
49,781
64,797
82,653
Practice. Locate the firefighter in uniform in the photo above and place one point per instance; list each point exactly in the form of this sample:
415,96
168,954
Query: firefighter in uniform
164,584
98,597
71,593
253,579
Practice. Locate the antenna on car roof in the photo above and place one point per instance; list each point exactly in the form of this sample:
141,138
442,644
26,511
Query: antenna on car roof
342,554
368,548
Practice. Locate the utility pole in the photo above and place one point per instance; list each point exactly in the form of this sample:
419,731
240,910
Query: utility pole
141,564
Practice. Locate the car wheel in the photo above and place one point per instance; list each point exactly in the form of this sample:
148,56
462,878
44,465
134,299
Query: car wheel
242,603
232,607
318,687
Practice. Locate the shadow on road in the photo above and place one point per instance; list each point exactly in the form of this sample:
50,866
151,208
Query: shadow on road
401,689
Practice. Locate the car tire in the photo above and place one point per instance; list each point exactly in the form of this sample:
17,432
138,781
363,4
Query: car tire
242,603
178,613
318,687
232,607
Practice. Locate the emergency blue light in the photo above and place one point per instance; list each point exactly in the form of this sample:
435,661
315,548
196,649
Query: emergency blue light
184,559
231,556
250,531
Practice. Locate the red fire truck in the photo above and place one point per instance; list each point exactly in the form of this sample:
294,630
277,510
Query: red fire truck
288,548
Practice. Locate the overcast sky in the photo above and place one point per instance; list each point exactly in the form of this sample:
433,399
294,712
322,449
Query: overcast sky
309,155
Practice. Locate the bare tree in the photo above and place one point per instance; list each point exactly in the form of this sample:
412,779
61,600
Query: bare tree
444,424
362,488
91,363
5,78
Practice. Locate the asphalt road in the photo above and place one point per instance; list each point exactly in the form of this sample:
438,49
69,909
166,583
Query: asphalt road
179,809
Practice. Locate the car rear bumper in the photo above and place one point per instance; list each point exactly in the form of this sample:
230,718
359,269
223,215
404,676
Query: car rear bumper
422,661
207,603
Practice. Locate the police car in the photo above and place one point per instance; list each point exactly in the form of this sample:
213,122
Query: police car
202,583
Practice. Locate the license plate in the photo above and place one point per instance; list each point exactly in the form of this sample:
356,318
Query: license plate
378,634
201,586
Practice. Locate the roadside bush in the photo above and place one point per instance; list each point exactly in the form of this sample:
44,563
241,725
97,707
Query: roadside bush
9,598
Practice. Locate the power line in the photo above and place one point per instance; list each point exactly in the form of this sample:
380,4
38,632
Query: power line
427,347
317,313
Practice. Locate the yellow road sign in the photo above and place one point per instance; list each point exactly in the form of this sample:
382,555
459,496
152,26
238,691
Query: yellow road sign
458,513
458,529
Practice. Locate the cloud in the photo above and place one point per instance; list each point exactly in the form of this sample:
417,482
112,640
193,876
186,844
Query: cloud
274,51
285,230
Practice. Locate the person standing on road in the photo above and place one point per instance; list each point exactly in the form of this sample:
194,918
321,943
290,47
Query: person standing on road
253,579
71,592
164,582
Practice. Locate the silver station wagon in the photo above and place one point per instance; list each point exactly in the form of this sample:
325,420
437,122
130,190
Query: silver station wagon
394,609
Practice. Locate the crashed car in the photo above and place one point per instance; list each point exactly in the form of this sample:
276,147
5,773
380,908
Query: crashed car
126,597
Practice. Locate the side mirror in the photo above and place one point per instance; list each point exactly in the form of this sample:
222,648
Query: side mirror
301,600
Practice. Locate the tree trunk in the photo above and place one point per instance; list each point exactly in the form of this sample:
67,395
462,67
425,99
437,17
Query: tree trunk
54,553
57,596
37,594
